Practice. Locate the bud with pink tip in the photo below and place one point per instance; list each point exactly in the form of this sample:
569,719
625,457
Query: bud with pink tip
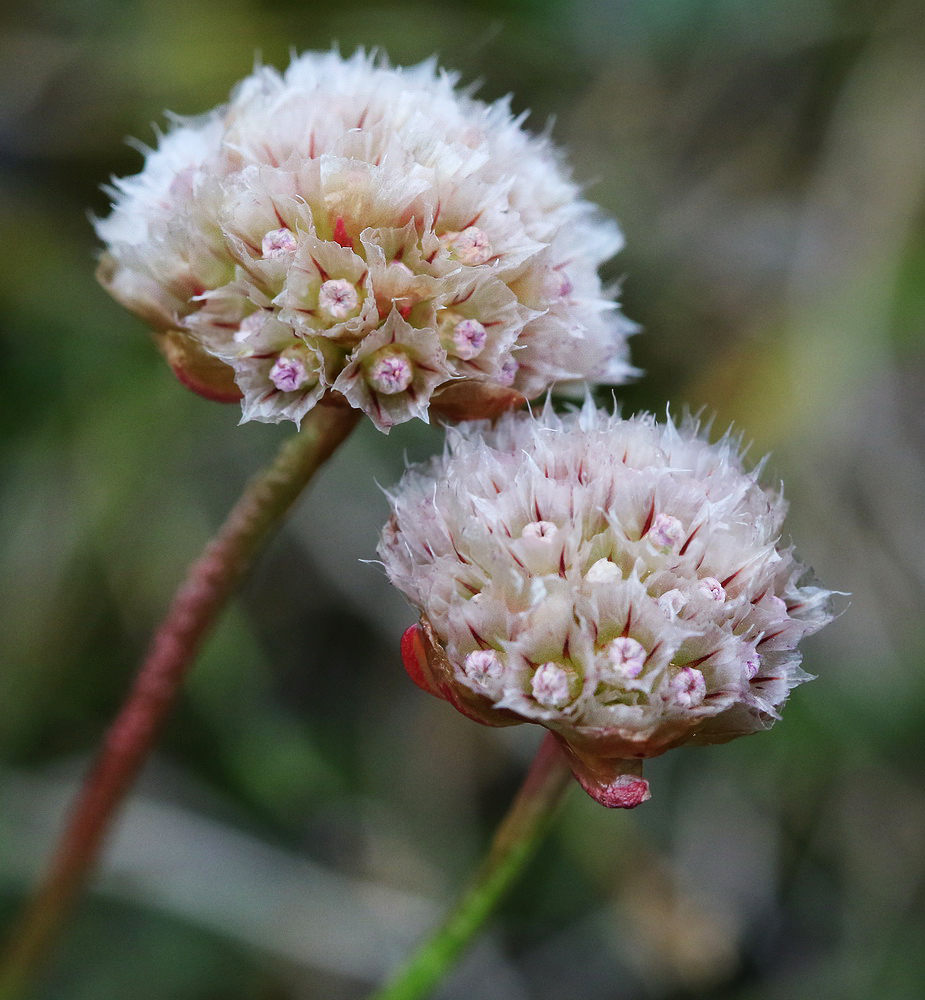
390,372
288,374
552,685
471,246
713,589
278,243
624,658
338,298
666,532
469,338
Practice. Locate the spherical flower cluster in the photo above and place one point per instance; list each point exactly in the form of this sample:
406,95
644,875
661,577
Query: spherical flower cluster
619,582
369,234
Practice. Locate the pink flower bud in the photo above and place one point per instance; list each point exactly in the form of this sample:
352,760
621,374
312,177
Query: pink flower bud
713,589
666,531
688,688
471,246
509,369
556,284
390,373
671,603
278,243
623,658
551,685
604,571
288,374
250,325
545,530
337,298
469,339
482,665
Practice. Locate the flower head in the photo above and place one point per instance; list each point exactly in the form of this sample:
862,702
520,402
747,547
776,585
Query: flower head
619,582
346,203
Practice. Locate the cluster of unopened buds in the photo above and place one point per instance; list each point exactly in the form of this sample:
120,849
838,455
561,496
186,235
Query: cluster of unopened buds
356,233
348,233
619,582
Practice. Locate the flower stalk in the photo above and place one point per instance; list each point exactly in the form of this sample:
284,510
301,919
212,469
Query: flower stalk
515,842
208,585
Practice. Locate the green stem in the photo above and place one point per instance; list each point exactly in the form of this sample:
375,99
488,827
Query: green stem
514,844
209,583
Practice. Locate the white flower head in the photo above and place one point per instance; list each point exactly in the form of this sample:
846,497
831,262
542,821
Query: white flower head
332,196
528,548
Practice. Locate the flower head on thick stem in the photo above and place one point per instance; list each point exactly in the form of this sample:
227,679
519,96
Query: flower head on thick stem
620,582
269,241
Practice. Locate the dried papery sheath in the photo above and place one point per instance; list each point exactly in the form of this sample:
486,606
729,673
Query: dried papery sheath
351,231
620,582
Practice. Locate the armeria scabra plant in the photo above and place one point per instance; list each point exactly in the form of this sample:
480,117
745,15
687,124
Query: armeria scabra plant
339,239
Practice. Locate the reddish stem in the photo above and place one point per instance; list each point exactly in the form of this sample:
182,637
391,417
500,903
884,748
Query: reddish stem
209,583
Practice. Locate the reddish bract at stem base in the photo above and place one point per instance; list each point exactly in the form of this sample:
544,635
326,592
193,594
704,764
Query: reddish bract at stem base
426,664
414,657
615,782
208,377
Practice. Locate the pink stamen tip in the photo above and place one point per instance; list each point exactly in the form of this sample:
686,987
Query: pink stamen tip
710,586
338,298
469,339
482,665
278,243
508,372
625,657
471,246
288,374
666,531
688,688
391,374
550,686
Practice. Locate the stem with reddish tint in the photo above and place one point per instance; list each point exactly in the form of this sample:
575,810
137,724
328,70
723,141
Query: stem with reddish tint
209,583
514,844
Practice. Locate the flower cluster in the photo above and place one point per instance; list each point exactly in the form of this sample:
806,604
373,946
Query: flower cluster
619,582
354,231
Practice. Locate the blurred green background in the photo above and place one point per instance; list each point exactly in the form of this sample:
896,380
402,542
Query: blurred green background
309,811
